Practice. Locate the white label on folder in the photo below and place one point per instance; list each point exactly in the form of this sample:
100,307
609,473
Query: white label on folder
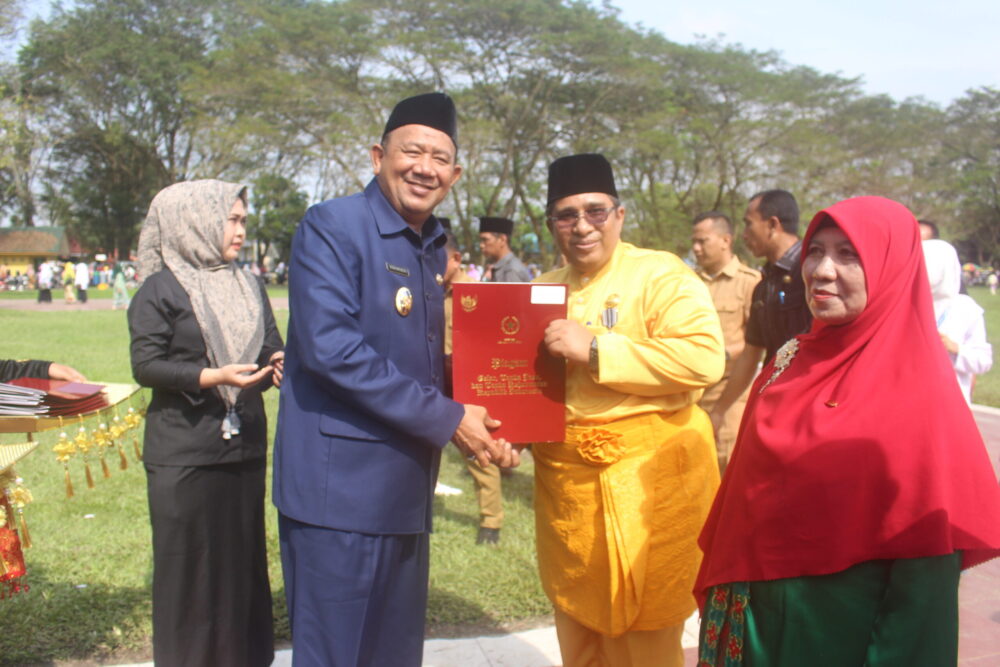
548,294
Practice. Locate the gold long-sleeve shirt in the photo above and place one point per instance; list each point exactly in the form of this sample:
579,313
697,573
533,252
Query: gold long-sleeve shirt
665,348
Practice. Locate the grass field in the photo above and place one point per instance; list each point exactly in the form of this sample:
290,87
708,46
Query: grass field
987,389
89,570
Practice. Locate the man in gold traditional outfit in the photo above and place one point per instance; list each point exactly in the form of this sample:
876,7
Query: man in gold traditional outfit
620,503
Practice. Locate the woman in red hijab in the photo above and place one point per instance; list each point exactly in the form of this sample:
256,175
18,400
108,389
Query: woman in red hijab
860,485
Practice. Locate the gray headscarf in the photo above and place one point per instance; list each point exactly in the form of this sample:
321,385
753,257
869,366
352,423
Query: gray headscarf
184,231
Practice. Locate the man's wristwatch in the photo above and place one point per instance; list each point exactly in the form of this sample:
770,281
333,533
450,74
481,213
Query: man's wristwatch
593,361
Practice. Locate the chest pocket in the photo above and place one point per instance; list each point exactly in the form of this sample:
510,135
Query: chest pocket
795,295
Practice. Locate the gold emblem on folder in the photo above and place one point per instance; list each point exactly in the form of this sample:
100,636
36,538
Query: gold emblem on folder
510,325
469,302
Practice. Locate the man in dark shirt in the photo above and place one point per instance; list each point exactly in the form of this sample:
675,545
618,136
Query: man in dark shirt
779,309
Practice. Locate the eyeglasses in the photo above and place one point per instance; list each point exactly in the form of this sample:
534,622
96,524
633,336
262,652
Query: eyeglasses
594,216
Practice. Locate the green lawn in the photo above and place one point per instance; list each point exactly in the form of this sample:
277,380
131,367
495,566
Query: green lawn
106,293
89,569
987,389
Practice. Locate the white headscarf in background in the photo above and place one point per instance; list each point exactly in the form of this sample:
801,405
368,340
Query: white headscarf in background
184,231
944,272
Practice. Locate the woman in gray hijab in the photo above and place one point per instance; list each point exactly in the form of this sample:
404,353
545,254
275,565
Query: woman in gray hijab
205,340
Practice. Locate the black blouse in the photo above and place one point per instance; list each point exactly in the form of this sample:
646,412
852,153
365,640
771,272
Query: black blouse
184,422
11,369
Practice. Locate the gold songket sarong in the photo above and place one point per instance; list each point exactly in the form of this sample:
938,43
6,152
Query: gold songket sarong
618,509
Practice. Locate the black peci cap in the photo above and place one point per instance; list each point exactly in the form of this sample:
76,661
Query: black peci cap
434,110
496,225
575,174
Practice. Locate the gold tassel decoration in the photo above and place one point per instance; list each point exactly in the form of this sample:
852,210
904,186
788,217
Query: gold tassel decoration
101,443
117,430
64,450
25,535
83,446
132,422
19,497
8,480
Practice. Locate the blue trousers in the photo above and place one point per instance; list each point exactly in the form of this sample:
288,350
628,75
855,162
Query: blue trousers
354,600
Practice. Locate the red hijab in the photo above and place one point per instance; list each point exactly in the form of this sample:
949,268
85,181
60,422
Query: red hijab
863,447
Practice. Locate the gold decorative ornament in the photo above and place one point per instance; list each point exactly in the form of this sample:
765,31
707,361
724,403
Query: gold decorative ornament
439,279
469,302
782,359
404,301
510,325
102,441
132,420
83,445
600,447
64,450
116,431
609,317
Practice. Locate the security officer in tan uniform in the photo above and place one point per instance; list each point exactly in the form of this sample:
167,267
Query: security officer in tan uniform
731,283
489,492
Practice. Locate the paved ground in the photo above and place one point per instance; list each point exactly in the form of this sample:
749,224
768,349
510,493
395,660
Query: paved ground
979,592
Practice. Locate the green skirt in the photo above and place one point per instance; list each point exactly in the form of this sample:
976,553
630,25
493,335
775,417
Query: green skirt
884,613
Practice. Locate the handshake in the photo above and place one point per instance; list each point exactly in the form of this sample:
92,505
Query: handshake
473,439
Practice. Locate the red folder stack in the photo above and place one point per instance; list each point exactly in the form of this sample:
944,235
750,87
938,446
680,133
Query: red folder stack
64,398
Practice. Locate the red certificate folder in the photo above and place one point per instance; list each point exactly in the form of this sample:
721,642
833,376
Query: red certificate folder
499,358
65,398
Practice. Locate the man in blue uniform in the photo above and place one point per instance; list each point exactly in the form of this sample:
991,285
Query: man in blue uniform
362,419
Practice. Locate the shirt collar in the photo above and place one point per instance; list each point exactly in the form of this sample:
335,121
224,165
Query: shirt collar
729,270
790,260
577,280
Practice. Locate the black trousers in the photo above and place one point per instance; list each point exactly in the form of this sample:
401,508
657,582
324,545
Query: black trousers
211,596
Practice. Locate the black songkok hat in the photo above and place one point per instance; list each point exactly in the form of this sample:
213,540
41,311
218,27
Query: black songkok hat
575,174
445,222
496,225
434,110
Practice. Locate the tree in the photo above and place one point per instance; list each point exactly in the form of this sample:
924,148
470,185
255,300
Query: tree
277,208
110,76
971,152
22,145
10,16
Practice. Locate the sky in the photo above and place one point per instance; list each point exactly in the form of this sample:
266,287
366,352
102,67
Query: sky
931,49
918,48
